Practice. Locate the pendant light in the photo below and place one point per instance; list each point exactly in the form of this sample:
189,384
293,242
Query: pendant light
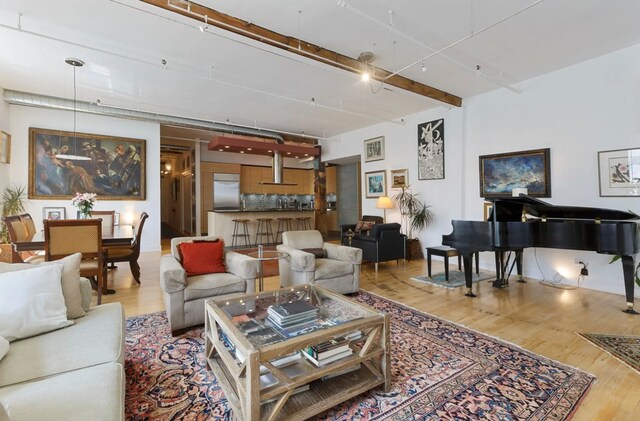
74,62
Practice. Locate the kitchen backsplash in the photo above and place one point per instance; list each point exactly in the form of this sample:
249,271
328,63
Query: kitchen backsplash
272,201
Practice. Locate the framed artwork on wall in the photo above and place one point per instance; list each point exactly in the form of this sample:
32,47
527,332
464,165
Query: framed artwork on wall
62,164
375,183
399,178
431,150
54,214
374,149
5,148
488,207
619,172
501,173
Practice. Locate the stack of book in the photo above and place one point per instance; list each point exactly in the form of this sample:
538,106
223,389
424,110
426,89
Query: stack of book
291,314
327,352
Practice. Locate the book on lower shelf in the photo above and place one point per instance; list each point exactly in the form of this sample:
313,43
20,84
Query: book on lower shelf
328,360
293,370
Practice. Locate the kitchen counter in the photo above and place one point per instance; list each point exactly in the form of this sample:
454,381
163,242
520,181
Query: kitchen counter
261,210
220,224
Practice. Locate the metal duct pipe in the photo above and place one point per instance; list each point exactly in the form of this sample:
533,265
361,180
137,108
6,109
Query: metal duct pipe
54,103
277,167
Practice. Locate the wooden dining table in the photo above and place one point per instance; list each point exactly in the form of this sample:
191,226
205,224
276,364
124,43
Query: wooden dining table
118,236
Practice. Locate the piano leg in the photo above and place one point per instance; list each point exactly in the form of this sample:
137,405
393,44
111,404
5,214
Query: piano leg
519,254
628,269
467,260
501,268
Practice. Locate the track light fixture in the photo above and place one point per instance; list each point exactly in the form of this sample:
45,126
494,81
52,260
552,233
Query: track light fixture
423,68
206,24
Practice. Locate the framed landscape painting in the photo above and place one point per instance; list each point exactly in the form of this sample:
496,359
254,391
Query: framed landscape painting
501,173
62,164
399,178
374,149
619,172
375,183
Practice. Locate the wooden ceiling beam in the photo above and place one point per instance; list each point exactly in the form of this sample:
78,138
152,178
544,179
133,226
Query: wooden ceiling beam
299,47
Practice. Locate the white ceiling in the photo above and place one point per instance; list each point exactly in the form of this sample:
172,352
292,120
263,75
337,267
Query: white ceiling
218,76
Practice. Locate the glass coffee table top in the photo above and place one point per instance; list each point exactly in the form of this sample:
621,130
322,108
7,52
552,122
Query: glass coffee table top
250,313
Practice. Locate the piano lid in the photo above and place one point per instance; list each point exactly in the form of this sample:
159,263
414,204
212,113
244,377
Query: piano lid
510,209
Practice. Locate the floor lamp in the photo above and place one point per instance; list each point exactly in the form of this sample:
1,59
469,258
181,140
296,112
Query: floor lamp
384,202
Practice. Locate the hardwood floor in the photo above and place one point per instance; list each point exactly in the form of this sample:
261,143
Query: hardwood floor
538,318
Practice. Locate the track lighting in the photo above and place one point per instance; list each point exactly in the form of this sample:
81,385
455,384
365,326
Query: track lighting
206,26
424,69
365,76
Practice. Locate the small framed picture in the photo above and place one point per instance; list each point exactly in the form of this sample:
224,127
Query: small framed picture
375,183
619,172
5,148
374,149
399,178
116,219
488,209
54,214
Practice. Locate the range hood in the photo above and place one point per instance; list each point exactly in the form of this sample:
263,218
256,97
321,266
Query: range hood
277,168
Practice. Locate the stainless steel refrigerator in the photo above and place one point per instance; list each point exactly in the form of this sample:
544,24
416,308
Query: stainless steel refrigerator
226,191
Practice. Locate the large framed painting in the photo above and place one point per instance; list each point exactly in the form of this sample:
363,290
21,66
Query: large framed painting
375,183
62,164
431,150
501,173
619,172
374,149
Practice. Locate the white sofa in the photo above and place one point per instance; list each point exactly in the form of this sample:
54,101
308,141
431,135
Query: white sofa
74,373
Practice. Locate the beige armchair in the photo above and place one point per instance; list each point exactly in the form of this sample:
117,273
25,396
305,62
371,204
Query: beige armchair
184,296
338,270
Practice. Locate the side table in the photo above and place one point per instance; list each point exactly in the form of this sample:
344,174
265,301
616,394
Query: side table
262,256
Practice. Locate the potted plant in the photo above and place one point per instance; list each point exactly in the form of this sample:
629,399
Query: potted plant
12,204
414,215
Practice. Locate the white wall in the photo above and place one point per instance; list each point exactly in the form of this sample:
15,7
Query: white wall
577,111
22,118
401,145
4,126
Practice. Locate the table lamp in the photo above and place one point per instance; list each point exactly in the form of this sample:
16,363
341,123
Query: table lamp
384,202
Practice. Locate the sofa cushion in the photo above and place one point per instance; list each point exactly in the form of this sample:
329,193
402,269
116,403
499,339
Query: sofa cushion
329,268
93,393
200,258
31,302
3,414
4,347
205,286
96,338
70,281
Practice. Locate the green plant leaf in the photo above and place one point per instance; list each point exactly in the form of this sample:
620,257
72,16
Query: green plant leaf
614,258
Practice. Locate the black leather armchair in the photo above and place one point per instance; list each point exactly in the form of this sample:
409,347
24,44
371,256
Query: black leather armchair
383,243
345,228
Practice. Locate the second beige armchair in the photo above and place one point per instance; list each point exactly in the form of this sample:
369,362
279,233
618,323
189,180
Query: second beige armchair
312,261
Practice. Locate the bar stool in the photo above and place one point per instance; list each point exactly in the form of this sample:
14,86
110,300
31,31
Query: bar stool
284,224
303,223
240,225
264,230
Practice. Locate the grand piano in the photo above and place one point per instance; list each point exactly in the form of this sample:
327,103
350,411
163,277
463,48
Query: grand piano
516,223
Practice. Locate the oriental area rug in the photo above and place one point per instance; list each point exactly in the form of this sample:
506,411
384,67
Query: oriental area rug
440,371
624,348
456,279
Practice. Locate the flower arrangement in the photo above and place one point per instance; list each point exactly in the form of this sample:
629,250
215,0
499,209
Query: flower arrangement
84,202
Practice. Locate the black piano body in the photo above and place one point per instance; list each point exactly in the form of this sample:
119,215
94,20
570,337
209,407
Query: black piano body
516,223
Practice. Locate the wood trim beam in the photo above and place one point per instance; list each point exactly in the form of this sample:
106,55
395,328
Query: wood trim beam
297,46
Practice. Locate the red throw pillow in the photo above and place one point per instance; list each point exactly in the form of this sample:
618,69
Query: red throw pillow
363,226
203,258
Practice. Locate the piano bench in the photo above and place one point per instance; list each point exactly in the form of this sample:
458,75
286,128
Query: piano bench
446,252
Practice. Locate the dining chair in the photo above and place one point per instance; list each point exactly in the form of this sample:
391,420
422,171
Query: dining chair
21,228
130,252
69,236
108,219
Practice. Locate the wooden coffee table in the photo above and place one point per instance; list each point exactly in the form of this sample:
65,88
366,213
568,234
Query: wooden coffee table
239,357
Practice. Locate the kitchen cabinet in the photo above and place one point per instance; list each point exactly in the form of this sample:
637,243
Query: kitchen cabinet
331,179
332,220
252,177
